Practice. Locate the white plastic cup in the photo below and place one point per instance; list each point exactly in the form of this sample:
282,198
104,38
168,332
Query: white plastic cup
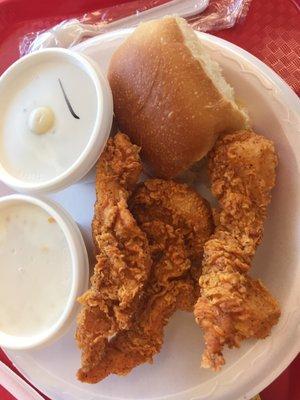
79,280
98,136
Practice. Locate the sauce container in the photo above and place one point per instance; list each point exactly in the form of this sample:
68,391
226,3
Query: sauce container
44,268
56,114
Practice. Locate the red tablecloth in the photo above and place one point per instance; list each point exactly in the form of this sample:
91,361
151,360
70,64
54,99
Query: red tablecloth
271,32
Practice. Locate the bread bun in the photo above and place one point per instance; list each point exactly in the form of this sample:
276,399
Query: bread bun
169,96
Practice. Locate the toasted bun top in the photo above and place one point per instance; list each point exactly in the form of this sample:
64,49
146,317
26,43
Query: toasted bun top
169,96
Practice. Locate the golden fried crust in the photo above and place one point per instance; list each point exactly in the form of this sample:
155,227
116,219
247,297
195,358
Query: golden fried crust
172,228
138,345
118,171
233,306
242,170
179,206
122,253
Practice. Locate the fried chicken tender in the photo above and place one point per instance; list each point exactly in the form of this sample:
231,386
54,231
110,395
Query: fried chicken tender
122,253
177,205
128,349
177,222
180,206
233,306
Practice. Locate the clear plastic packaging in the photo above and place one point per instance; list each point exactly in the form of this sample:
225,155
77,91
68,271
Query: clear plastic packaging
221,14
204,15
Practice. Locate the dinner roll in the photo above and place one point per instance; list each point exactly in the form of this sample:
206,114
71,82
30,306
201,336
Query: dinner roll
170,98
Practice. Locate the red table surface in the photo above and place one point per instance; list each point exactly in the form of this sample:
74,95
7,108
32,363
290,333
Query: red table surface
271,31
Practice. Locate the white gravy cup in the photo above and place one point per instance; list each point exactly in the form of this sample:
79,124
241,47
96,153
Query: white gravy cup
56,112
44,269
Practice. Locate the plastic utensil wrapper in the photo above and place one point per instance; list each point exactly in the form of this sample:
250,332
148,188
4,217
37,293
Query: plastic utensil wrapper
203,15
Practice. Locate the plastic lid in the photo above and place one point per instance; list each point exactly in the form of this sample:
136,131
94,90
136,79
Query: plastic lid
56,110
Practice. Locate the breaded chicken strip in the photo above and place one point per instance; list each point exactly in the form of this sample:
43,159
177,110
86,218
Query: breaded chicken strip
128,349
122,253
177,222
233,306
180,206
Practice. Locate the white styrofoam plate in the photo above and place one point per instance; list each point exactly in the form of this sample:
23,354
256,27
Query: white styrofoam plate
176,373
